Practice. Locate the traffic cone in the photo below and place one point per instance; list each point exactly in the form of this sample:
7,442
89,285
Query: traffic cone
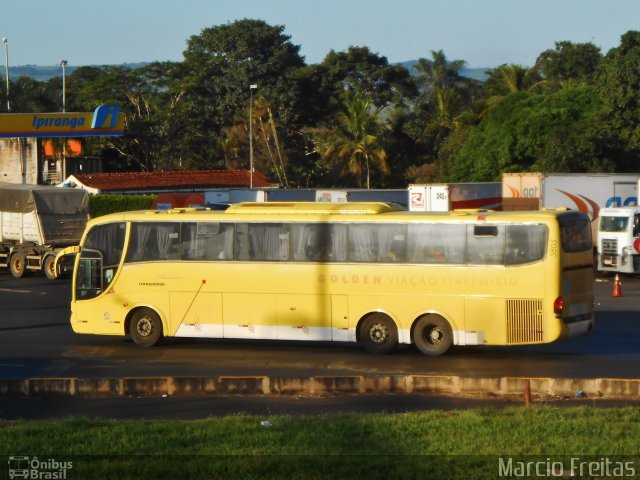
617,288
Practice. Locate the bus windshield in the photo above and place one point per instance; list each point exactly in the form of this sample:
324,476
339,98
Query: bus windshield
99,259
575,233
614,224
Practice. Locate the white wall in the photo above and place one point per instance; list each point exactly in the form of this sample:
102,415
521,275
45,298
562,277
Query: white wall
19,160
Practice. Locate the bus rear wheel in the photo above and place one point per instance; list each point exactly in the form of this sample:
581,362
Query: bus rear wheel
433,335
378,333
145,327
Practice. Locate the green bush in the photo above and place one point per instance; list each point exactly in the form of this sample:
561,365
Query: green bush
103,204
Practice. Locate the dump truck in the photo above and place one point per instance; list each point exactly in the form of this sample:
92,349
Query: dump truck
36,222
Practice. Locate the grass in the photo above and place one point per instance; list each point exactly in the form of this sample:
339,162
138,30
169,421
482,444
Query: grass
431,444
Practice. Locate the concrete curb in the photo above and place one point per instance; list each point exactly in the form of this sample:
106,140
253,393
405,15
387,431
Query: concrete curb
609,388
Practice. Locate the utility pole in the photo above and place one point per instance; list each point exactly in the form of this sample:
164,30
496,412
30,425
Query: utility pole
63,63
6,68
252,87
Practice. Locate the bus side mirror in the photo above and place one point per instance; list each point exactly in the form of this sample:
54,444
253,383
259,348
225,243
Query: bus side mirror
65,251
636,225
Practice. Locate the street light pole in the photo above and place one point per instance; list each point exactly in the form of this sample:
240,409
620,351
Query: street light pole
63,63
252,87
6,68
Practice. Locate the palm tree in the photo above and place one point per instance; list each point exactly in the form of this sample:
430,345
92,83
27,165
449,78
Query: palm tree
510,78
439,78
354,143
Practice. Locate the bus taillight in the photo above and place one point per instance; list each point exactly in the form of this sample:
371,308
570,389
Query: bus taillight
558,306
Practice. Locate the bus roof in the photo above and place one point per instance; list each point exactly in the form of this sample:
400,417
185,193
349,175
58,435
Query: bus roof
314,208
305,211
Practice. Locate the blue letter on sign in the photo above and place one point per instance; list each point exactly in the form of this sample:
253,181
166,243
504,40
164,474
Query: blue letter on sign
101,114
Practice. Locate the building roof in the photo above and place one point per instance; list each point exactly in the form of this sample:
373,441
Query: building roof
172,181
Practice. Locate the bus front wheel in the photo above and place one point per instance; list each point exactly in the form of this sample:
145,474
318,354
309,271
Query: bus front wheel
145,327
433,335
378,333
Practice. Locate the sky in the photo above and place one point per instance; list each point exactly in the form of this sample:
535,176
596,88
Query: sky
484,33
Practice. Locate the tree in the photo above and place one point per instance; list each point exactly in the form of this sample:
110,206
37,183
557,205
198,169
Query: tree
507,79
359,68
30,96
267,152
353,145
221,63
444,105
570,61
619,87
150,98
554,132
512,78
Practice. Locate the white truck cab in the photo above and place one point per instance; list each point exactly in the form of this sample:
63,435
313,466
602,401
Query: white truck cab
619,240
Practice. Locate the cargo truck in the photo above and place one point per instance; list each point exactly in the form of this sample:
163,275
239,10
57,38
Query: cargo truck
586,192
619,240
36,222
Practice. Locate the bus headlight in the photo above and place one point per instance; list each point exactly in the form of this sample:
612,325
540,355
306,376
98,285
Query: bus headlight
625,251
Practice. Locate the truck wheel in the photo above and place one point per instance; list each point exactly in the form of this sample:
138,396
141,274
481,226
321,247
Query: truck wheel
145,327
18,264
49,267
432,335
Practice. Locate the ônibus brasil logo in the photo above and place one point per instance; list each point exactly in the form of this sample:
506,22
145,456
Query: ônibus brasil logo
33,468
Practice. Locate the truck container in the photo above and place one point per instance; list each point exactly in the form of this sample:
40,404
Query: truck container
587,192
444,197
618,240
36,222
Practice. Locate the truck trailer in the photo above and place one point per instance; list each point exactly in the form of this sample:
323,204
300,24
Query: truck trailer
444,197
36,222
586,192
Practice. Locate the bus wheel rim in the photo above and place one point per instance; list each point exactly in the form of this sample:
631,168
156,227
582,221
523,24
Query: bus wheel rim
144,327
435,335
379,333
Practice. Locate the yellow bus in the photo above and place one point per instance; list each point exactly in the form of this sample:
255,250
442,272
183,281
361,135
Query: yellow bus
349,272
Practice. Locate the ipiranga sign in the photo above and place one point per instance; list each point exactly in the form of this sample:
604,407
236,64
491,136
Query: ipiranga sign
103,121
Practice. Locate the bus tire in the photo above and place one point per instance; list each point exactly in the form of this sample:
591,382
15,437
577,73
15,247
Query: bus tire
378,334
432,335
18,264
49,267
145,327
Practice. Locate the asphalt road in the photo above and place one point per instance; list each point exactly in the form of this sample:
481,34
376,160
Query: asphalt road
37,341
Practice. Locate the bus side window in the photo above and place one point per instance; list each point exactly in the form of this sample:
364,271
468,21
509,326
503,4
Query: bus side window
436,243
207,241
636,224
525,244
242,241
269,241
485,244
